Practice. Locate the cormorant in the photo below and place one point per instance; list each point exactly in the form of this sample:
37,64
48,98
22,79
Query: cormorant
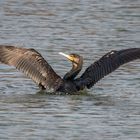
30,62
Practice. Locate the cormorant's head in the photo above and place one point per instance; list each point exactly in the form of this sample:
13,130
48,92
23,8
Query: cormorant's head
76,59
77,63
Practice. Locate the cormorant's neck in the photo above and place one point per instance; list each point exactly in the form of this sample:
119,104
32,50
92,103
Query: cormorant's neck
76,68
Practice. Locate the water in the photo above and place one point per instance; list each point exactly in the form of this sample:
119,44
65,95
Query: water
110,110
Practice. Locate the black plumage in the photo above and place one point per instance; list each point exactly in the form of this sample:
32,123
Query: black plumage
30,62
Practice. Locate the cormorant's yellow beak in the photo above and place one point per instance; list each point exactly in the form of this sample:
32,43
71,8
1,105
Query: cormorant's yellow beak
67,56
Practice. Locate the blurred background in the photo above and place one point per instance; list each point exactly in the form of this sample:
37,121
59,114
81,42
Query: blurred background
111,109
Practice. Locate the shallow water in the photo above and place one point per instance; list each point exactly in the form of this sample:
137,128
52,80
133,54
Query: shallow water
110,110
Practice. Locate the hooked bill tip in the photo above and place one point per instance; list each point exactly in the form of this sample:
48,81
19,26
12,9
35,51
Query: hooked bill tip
60,53
67,56
64,54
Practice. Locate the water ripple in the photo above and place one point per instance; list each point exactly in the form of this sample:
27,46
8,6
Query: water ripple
110,110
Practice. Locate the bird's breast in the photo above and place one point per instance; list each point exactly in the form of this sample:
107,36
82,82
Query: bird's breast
68,87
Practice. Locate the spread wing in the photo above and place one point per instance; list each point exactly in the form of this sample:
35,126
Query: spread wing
105,65
30,62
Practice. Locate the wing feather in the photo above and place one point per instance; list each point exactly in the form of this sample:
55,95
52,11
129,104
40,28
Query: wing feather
30,62
105,65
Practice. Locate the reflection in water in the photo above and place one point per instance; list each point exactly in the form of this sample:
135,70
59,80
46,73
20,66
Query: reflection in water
110,110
